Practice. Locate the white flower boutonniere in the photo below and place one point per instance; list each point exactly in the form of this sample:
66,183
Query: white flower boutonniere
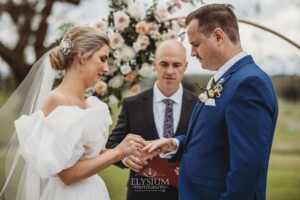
212,93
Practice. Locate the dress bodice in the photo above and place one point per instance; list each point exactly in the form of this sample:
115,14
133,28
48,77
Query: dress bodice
56,142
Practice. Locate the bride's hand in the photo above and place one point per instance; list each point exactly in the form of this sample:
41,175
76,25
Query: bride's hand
130,144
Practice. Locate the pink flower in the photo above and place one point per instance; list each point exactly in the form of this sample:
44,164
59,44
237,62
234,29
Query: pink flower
116,41
141,27
100,87
131,76
121,20
136,88
102,25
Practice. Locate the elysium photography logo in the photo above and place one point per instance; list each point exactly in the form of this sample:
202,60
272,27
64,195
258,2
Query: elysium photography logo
150,180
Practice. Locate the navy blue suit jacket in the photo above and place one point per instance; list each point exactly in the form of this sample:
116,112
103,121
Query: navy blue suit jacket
225,154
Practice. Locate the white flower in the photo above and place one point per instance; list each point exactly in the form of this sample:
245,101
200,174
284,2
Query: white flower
143,41
121,20
125,69
152,29
116,81
113,99
135,10
136,47
102,25
160,14
155,35
127,53
116,41
203,97
171,35
112,65
117,54
146,70
175,26
211,93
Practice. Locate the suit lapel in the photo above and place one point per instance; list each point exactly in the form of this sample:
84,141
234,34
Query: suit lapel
186,108
238,65
147,109
193,120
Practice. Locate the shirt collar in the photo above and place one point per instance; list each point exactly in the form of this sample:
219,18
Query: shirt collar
158,96
222,70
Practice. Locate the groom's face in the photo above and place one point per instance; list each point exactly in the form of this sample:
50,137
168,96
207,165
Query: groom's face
204,48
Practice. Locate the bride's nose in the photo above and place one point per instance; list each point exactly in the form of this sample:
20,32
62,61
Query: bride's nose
105,68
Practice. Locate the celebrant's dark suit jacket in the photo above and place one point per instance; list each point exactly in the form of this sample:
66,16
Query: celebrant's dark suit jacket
225,154
137,117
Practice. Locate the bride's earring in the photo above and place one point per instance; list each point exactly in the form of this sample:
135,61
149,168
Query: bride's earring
82,66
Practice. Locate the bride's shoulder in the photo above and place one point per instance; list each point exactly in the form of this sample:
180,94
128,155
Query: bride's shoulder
53,100
93,101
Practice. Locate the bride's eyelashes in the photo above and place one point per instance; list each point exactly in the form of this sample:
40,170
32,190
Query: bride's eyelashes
103,58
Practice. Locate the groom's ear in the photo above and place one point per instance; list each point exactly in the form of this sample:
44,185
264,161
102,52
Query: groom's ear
219,35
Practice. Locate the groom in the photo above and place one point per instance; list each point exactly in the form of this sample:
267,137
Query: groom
226,151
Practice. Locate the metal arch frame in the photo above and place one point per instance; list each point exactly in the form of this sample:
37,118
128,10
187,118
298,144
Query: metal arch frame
270,31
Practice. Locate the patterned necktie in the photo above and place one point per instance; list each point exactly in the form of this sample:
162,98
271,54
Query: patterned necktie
168,123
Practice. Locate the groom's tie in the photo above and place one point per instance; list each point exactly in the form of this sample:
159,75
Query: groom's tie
168,123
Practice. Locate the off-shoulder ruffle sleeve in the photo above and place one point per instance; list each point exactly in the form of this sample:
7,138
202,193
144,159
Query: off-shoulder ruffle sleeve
56,142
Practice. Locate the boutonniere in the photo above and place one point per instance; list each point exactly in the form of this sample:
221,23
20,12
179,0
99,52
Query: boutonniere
212,93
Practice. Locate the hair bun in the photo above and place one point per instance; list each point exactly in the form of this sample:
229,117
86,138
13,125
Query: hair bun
57,59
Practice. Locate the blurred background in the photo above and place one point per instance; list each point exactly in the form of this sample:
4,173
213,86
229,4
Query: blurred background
29,28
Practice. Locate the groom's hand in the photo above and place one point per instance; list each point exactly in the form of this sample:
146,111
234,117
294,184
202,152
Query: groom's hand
160,146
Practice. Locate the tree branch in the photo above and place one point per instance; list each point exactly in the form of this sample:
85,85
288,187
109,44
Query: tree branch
6,54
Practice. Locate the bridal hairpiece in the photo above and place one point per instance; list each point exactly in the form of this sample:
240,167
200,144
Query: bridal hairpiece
66,45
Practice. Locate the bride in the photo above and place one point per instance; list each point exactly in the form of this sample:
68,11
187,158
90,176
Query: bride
61,135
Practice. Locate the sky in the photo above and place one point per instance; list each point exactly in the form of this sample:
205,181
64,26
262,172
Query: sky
271,53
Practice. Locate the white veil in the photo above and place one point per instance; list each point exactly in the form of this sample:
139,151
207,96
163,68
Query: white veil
16,180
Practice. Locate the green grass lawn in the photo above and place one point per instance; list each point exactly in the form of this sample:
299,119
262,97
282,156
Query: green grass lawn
284,168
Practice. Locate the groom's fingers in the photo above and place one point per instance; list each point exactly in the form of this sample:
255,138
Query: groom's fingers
154,147
147,147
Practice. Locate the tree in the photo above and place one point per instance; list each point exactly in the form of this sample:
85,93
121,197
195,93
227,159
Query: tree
23,14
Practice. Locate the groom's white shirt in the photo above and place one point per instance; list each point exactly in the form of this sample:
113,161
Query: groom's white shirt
222,70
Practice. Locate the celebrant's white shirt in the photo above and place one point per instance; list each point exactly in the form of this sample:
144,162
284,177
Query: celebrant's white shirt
159,108
221,71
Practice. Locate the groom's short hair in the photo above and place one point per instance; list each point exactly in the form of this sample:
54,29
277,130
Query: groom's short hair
214,16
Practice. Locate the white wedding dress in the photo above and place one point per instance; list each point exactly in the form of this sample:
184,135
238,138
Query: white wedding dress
56,142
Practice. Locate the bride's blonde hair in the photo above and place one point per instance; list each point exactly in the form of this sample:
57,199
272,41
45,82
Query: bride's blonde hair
78,39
